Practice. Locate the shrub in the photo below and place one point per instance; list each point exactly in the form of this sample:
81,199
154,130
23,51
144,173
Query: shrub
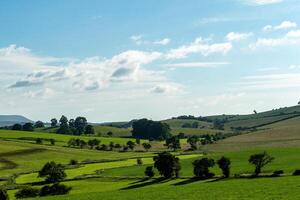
73,162
149,171
27,192
139,161
201,168
52,172
39,141
52,141
277,173
296,172
3,195
56,189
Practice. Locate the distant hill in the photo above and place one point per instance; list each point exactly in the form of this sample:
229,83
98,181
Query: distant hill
8,120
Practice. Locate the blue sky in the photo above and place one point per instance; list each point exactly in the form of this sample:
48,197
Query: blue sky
121,60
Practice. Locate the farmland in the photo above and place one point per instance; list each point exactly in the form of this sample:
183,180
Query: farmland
116,175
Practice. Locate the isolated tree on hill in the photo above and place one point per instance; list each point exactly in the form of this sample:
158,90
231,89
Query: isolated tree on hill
224,164
28,127
53,172
80,124
201,168
53,122
39,141
39,124
89,130
259,161
167,164
3,195
147,146
173,143
16,127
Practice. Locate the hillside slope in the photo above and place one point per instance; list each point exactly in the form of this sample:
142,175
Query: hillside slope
7,120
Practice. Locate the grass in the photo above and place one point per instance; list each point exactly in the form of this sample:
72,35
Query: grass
234,189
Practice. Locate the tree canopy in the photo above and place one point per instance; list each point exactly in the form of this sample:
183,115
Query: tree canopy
148,129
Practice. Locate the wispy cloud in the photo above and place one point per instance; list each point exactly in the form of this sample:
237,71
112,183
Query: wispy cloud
163,42
290,38
200,46
283,25
234,36
195,64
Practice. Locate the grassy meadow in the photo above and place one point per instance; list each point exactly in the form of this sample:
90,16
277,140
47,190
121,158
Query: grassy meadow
116,175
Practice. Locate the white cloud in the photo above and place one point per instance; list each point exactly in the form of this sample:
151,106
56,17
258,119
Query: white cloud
284,25
195,64
232,36
199,46
139,40
262,2
163,42
166,89
88,74
291,38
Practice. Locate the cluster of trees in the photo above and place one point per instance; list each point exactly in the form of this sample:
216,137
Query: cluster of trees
78,126
96,144
53,174
27,126
169,166
41,141
152,130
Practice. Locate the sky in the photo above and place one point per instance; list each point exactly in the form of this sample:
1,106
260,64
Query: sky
112,60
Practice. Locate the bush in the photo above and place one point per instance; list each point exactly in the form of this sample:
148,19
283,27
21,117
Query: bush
139,161
296,172
149,171
3,195
52,141
39,141
52,172
277,173
27,192
56,189
73,162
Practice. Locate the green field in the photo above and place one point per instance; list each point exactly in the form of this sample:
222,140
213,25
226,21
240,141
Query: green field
116,175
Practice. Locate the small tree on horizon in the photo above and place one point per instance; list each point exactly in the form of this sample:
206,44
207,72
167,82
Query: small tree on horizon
259,161
53,122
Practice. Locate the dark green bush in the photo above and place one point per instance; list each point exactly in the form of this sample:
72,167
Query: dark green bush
3,195
56,189
27,192
296,172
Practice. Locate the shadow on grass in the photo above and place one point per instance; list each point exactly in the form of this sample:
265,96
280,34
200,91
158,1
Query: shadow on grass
144,183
